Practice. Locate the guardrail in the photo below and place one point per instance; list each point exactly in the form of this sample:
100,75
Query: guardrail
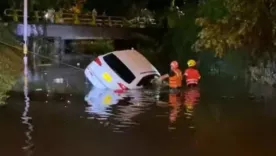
67,17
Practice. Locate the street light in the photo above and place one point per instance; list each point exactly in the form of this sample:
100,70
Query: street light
25,48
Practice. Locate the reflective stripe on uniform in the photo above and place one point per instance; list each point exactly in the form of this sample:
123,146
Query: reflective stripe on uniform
192,81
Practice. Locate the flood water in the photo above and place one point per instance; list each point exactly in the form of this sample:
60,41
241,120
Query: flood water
58,113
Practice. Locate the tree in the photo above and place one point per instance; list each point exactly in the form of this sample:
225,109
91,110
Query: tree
245,25
181,33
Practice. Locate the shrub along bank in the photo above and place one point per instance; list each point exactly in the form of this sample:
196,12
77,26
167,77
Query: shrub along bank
10,63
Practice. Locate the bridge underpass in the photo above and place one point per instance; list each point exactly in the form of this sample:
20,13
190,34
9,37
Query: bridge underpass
70,26
59,33
117,29
75,32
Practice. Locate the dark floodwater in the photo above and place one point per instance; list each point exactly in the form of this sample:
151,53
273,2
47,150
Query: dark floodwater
62,115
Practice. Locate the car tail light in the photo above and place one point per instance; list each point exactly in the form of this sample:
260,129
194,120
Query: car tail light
122,86
119,91
98,61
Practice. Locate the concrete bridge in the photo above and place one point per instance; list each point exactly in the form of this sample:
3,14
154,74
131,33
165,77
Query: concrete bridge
70,26
79,32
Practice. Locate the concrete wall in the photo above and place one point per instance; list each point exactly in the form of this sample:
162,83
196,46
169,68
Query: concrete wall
75,32
86,32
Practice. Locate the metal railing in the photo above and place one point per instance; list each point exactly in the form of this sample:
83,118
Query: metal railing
67,17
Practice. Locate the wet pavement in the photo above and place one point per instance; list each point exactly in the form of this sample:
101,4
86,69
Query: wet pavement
60,114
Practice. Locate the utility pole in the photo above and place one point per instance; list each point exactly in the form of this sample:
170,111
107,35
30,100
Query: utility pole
25,118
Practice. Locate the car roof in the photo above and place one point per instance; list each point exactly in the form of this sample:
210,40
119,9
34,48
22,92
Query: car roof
135,61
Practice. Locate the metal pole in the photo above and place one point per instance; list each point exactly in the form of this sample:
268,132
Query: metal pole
25,48
25,118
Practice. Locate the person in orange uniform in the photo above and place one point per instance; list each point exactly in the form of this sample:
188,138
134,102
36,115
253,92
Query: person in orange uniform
175,76
192,74
175,83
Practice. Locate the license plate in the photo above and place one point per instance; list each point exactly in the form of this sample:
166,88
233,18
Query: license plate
107,77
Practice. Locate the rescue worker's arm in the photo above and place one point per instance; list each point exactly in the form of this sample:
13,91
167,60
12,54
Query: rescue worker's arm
163,77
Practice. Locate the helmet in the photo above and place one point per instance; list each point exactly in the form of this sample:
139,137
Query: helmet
174,64
191,63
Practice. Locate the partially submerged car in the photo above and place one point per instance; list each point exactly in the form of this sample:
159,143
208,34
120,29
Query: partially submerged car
121,70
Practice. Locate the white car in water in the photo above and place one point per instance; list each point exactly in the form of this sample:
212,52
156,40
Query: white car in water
126,69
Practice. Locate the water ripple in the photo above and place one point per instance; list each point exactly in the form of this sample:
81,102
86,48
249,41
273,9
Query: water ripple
191,99
121,109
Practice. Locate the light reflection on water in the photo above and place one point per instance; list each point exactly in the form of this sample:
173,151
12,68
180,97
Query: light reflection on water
101,104
191,99
119,109
26,119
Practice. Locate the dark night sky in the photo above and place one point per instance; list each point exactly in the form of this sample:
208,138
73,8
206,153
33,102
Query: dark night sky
118,7
3,6
121,6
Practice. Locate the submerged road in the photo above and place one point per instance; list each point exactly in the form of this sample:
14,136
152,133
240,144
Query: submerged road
61,114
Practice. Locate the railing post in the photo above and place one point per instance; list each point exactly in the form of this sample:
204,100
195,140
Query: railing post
76,18
61,16
60,13
109,21
57,17
125,22
36,13
94,16
15,15
93,21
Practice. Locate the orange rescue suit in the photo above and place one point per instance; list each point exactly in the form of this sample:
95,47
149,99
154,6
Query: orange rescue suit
175,79
192,76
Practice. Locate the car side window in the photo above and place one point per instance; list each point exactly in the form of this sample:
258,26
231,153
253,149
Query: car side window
146,80
119,68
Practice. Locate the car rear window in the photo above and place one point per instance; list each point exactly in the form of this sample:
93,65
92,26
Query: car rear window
145,81
119,68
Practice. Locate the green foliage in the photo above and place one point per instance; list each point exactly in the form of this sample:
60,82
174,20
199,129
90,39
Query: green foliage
183,33
10,67
6,34
213,9
10,62
248,25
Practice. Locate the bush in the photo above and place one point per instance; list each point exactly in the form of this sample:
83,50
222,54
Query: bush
11,68
7,35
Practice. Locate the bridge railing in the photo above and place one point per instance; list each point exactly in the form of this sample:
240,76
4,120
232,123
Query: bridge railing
66,17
